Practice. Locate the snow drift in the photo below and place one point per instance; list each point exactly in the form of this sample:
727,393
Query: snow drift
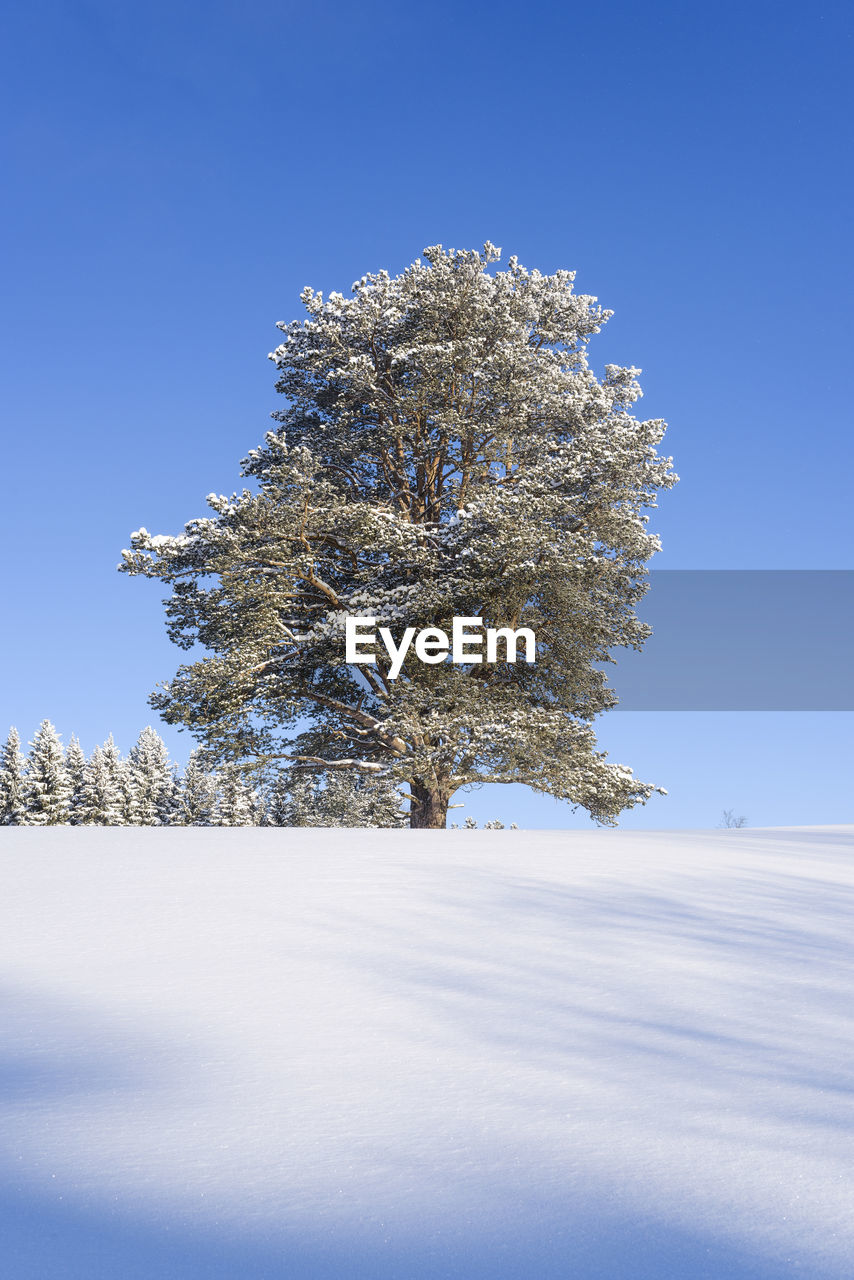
300,1053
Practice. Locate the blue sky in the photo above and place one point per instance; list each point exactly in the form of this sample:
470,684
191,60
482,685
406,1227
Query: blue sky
176,173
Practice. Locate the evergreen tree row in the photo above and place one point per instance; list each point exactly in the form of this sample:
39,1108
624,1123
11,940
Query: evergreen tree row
52,786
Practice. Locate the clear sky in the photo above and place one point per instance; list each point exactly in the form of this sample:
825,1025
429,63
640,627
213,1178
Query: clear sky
176,172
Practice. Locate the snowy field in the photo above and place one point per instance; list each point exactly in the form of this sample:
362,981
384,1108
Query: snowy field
237,1054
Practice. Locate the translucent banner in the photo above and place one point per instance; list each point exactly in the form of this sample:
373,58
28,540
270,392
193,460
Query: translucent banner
742,640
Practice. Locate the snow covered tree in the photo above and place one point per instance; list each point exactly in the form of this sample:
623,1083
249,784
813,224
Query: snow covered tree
197,797
445,452
495,824
341,799
122,787
351,799
173,809
46,786
13,811
150,780
258,806
101,796
296,799
75,766
236,800
279,802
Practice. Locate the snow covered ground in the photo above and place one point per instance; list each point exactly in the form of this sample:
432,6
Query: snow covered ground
236,1054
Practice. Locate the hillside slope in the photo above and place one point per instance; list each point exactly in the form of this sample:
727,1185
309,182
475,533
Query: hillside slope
243,1054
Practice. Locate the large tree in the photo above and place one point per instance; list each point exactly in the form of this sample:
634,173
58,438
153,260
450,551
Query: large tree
445,450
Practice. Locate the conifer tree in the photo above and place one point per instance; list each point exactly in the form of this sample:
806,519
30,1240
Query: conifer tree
101,805
149,777
172,800
279,802
75,765
353,800
340,800
122,785
46,786
258,806
234,807
197,801
446,451
13,811
297,800
127,795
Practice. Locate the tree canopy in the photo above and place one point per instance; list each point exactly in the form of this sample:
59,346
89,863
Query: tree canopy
444,451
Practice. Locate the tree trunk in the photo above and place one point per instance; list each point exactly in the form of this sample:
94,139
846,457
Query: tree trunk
429,807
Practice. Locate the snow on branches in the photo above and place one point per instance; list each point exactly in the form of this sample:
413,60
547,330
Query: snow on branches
52,786
445,451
